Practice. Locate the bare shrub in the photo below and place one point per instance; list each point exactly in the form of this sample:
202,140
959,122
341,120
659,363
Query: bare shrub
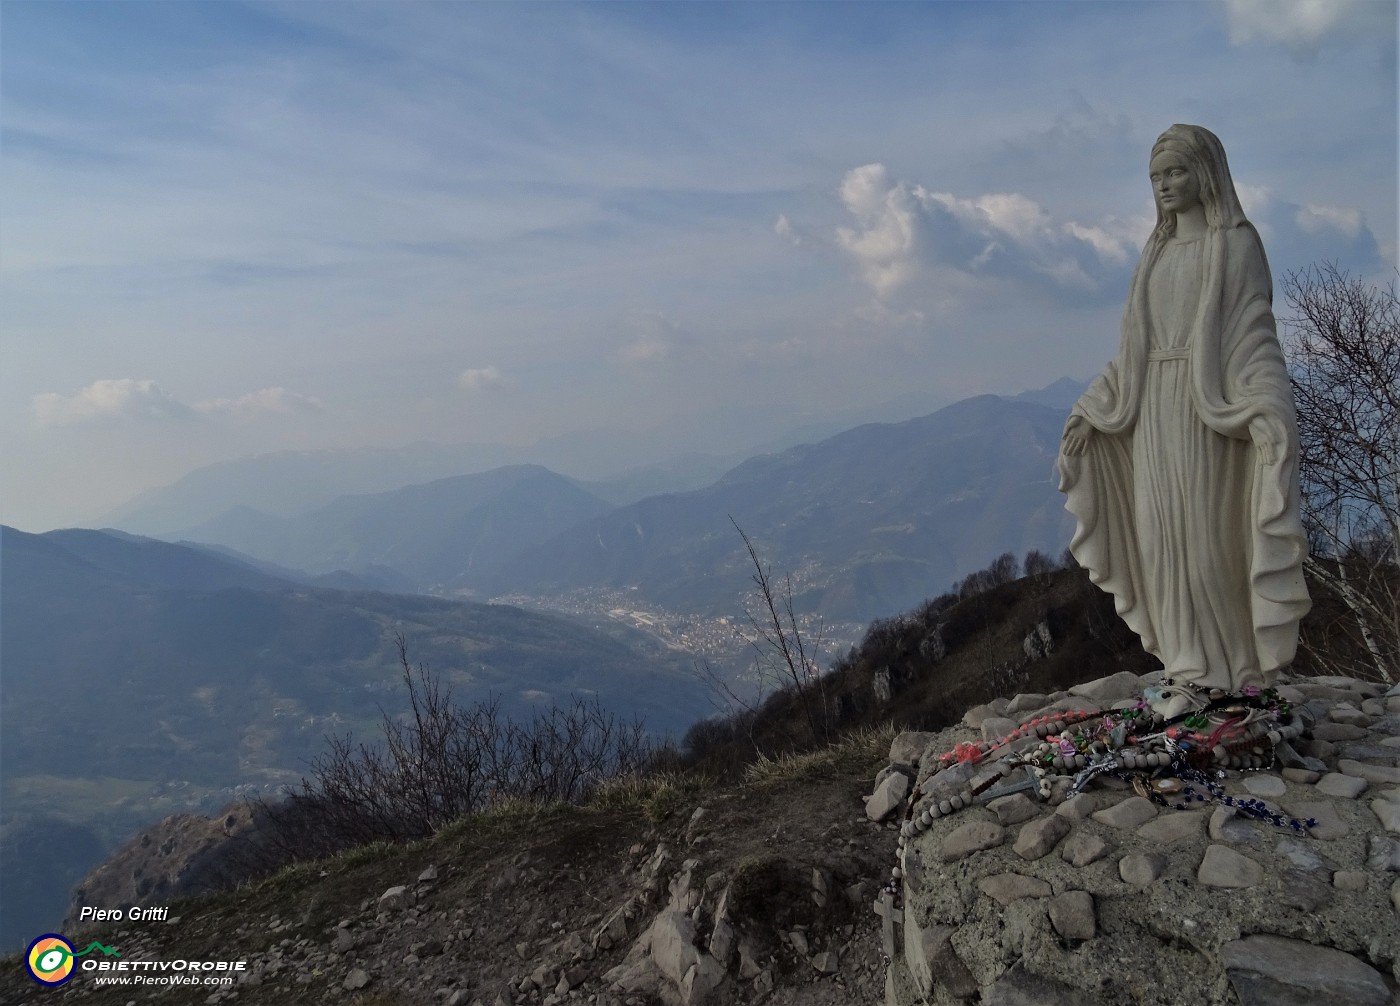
441,761
1343,347
782,652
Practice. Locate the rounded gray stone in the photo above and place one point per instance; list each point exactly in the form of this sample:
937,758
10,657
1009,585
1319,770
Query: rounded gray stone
1388,812
1338,732
1224,867
1083,848
1349,880
1383,853
1141,868
1366,751
1129,813
1226,825
971,837
1013,809
1077,807
1025,702
1384,774
1005,888
1265,785
1301,852
1173,827
1072,915
1329,824
1276,971
909,746
887,796
1349,715
1344,786
1039,837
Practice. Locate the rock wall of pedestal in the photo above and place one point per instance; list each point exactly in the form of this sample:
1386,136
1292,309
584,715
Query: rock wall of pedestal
1108,898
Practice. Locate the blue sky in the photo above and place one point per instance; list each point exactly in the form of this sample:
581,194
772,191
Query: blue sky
232,228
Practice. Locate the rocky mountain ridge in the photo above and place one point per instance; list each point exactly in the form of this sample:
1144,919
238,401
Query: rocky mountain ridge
954,487
763,893
951,489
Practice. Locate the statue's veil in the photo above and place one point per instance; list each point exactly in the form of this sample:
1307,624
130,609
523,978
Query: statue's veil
1206,155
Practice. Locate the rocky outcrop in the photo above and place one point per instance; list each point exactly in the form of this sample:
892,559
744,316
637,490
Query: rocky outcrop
1110,898
181,855
1038,642
718,940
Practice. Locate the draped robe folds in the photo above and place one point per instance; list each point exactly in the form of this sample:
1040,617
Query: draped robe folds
1177,513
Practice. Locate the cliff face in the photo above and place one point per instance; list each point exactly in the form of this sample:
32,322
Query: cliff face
1108,897
178,857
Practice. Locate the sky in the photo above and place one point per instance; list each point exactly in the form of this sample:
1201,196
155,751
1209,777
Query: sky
230,228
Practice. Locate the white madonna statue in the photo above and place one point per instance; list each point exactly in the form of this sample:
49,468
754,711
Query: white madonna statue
1180,462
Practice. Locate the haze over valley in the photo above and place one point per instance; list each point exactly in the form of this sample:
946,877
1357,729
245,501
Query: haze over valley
199,672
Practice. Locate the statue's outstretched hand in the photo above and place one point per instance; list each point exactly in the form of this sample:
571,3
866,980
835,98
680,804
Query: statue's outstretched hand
1075,440
1264,440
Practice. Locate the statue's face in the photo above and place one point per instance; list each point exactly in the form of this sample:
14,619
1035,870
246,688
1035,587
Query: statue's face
1174,184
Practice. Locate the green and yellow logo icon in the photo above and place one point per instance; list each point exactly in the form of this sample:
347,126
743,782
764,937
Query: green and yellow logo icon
49,959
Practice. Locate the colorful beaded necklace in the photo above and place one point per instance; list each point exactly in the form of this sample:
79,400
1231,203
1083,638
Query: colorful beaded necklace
1160,757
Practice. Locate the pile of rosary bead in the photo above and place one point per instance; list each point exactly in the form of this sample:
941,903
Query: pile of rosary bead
1244,731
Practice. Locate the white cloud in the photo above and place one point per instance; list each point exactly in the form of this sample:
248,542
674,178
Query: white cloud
1256,200
123,398
1304,26
654,339
886,244
265,401
1314,219
784,229
1296,234
1118,248
106,400
480,379
905,229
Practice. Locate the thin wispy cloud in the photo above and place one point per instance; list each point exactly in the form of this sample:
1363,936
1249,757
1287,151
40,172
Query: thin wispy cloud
108,400
124,399
263,402
634,211
1305,26
653,339
481,379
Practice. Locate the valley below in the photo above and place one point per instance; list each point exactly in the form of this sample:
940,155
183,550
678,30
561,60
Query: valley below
209,666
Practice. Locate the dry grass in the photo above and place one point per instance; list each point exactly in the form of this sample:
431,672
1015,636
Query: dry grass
656,796
850,753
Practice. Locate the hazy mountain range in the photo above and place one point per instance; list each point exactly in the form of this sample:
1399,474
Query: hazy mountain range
869,521
434,535
619,466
